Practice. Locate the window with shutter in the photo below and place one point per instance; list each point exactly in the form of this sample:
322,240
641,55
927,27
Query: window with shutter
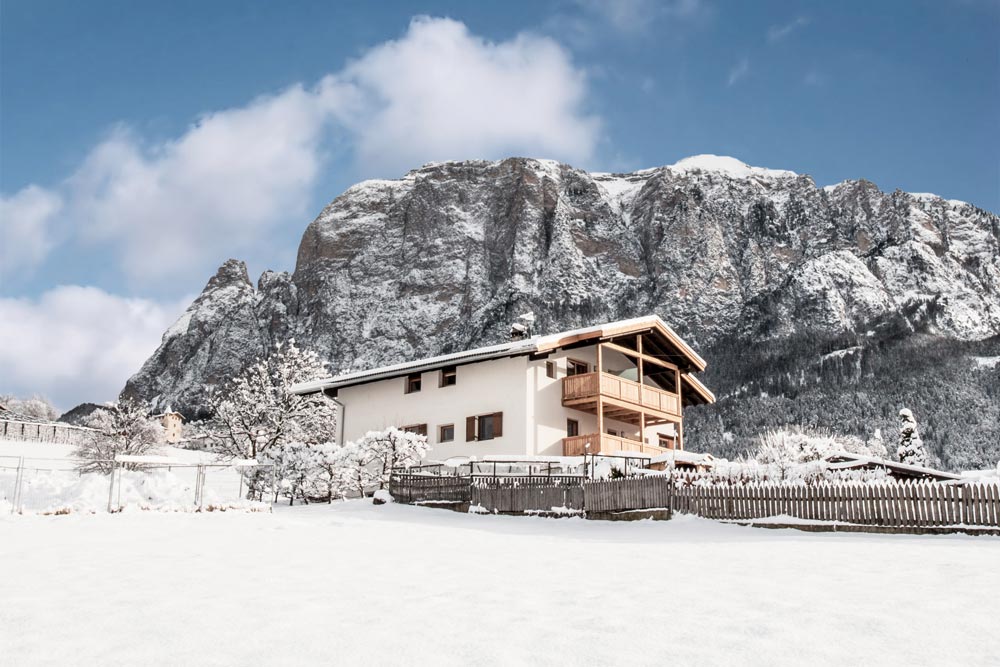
470,429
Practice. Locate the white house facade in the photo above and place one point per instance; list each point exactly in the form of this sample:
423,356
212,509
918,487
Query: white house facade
616,387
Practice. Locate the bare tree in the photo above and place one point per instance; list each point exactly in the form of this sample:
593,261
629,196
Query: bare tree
123,428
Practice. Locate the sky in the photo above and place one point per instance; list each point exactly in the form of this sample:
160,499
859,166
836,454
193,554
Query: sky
143,144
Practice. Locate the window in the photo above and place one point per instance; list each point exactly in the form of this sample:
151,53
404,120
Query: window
550,369
449,376
572,428
446,433
666,441
574,367
412,383
419,429
484,427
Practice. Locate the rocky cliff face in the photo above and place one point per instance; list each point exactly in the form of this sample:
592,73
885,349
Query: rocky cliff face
447,256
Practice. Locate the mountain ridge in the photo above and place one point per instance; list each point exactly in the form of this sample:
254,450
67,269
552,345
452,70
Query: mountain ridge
447,256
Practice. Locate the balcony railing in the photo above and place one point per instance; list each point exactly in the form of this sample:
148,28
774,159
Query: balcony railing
598,443
576,388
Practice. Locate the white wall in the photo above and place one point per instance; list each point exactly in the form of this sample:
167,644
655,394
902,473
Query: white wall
489,386
534,419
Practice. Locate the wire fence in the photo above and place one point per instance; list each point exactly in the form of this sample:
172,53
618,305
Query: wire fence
39,485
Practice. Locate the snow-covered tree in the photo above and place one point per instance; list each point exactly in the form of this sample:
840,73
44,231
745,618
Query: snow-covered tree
357,469
295,466
368,463
876,445
911,447
793,446
37,407
122,428
256,410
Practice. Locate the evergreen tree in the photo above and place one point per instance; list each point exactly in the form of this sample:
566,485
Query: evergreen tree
911,448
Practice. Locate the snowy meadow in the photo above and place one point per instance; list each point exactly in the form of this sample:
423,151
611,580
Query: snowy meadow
354,583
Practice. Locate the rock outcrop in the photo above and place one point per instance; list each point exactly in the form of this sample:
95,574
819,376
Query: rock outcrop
447,256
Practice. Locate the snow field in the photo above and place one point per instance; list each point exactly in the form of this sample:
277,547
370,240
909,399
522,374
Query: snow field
352,583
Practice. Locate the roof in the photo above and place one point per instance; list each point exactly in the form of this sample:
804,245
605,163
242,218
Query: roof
684,457
533,345
845,460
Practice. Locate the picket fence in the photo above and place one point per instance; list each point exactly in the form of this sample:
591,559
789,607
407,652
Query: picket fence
902,505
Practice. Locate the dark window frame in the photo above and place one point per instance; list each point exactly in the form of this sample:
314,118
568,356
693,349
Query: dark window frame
441,429
550,369
574,366
448,373
408,383
572,428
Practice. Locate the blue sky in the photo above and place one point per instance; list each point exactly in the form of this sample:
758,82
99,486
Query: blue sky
142,144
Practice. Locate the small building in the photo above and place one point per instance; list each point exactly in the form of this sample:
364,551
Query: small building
617,387
172,423
894,469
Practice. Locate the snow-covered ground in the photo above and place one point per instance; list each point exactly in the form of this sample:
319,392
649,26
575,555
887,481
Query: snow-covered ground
355,584
51,482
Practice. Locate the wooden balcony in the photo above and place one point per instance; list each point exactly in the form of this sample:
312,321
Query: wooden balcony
629,397
577,445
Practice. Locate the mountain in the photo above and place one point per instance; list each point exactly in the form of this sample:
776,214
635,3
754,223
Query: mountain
830,307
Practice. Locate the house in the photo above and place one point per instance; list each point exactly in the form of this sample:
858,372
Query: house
172,423
604,389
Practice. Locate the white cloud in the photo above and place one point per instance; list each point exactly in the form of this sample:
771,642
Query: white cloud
779,32
78,343
739,71
441,93
437,93
27,220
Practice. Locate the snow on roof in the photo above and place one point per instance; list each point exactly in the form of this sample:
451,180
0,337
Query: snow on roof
509,349
840,460
682,456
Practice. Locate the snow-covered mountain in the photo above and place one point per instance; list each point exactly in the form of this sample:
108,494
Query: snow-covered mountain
734,257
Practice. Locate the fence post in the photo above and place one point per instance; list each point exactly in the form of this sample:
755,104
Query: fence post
111,486
18,479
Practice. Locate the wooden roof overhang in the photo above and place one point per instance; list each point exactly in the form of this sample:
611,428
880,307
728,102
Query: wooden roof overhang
659,341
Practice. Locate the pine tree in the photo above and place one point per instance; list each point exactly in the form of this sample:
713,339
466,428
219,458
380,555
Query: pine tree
911,448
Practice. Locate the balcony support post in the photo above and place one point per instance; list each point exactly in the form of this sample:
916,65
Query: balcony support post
600,423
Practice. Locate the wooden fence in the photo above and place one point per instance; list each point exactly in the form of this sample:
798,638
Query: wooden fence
423,489
515,499
628,494
920,504
43,432
902,505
